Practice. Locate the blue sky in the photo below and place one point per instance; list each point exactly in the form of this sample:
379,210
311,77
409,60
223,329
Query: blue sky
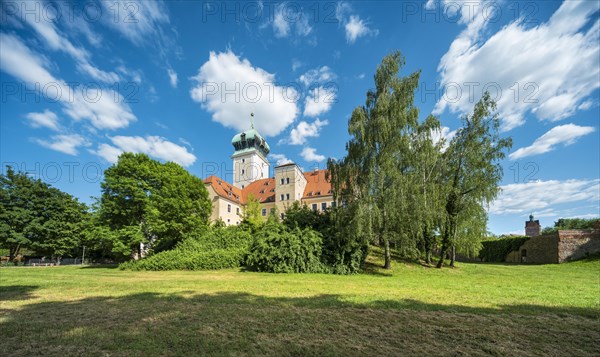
82,82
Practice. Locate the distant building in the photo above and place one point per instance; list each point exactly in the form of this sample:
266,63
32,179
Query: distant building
251,177
532,227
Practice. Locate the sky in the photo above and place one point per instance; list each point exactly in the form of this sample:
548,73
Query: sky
82,82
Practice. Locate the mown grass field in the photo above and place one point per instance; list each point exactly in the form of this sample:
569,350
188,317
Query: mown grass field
474,309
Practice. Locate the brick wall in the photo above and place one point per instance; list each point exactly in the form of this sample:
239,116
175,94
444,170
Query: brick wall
540,250
577,244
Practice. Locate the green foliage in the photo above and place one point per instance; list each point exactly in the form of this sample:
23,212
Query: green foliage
472,170
38,217
145,201
252,216
215,248
495,250
278,249
571,223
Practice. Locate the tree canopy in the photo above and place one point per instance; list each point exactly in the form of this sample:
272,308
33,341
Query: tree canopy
38,217
147,202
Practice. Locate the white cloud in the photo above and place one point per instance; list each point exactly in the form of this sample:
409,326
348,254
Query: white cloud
354,26
280,159
172,77
288,18
154,146
444,133
536,196
305,130
231,88
551,81
317,75
46,119
36,16
563,134
319,101
310,154
136,20
105,110
296,64
67,144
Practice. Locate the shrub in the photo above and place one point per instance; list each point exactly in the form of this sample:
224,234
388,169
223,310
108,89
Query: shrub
495,250
216,248
278,249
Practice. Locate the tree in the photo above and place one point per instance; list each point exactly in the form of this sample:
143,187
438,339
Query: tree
146,202
252,216
472,169
371,176
35,216
571,223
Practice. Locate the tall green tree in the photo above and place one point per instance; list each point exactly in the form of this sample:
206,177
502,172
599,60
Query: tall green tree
146,202
38,217
371,175
472,169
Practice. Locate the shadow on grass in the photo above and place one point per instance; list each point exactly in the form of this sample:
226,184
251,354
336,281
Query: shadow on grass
189,323
16,292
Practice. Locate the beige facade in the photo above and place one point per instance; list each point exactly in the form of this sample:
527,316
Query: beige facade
251,179
228,211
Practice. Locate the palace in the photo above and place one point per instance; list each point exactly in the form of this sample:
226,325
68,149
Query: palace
251,178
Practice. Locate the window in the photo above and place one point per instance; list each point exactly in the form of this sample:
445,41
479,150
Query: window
287,196
282,181
287,180
314,206
333,204
264,212
282,216
243,160
228,220
242,186
237,210
272,210
323,206
229,208
243,172
282,197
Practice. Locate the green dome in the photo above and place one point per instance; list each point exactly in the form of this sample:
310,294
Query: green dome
250,139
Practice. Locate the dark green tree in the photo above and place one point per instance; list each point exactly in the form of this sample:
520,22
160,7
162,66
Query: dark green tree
146,202
38,217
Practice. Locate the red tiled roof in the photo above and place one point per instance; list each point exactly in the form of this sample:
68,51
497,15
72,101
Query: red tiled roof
317,185
264,189
225,189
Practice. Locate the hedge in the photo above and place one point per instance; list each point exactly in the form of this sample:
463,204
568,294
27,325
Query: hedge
217,248
495,250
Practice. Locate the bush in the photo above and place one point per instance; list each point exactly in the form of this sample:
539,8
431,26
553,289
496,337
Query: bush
495,250
278,249
216,248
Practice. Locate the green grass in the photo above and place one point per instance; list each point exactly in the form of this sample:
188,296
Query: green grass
474,309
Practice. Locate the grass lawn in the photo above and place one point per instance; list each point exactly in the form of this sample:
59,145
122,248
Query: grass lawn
474,309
